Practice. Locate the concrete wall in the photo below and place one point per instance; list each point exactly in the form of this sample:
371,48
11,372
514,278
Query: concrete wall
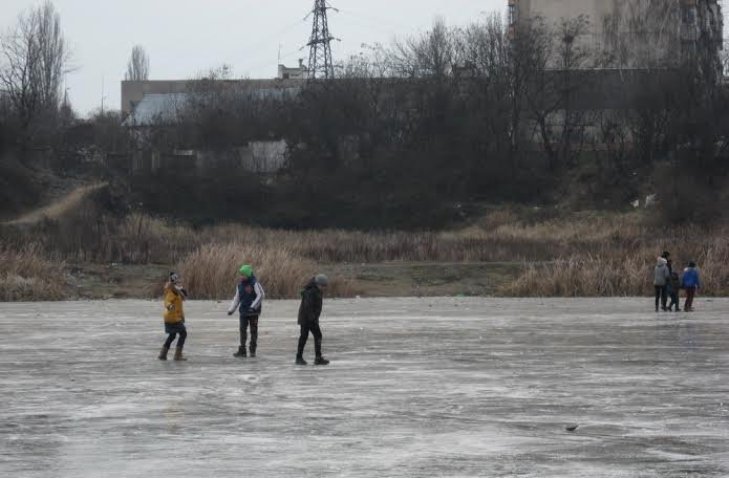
293,73
665,34
555,10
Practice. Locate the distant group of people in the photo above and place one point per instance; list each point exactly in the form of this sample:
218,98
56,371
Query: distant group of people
668,284
248,301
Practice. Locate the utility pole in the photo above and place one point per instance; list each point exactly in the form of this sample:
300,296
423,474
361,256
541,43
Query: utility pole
321,64
103,93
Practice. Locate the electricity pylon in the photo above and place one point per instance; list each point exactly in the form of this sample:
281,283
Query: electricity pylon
321,64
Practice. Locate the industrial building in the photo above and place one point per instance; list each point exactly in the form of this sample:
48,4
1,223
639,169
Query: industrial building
149,105
632,33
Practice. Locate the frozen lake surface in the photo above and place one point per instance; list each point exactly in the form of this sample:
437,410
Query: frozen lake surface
417,387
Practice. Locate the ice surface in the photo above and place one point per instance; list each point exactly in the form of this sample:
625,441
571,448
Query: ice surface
417,387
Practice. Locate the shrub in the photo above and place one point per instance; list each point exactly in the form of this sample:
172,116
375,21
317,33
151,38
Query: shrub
686,197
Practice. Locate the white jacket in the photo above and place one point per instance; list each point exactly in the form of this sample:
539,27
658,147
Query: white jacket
661,274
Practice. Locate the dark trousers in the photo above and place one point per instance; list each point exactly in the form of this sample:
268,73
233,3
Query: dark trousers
690,294
312,327
661,296
674,299
180,329
252,322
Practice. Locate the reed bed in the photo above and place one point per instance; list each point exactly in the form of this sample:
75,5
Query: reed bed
583,254
27,275
625,270
210,271
140,239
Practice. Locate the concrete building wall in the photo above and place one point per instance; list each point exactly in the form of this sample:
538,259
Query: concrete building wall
555,10
633,33
293,73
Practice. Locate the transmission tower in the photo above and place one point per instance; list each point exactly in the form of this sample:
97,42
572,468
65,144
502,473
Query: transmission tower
321,64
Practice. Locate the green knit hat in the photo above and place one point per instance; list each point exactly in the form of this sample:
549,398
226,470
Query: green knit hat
246,270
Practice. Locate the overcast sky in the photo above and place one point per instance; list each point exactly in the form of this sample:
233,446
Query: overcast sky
187,37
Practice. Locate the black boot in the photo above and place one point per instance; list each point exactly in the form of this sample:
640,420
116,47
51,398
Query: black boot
321,361
300,360
241,353
253,352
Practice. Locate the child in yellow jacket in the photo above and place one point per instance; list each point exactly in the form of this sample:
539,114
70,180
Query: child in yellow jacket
174,315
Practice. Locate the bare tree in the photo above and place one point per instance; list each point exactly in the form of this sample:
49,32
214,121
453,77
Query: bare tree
484,48
430,55
641,33
551,61
138,66
528,55
34,60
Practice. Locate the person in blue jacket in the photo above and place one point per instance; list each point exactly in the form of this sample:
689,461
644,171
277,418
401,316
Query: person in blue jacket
248,299
690,283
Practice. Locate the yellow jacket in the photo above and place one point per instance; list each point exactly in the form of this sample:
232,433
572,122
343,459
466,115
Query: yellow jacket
173,305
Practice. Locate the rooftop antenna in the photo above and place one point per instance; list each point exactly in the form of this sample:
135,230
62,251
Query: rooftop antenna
321,64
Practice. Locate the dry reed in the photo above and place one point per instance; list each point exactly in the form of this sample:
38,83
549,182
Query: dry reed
27,275
577,255
210,272
140,239
624,270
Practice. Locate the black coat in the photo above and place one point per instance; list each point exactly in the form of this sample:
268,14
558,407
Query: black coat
311,304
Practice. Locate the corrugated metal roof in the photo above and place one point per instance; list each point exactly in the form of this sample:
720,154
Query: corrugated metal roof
157,108
165,108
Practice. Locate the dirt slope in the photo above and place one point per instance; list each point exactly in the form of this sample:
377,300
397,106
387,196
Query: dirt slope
59,207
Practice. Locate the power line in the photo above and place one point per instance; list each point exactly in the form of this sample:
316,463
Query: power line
277,35
377,21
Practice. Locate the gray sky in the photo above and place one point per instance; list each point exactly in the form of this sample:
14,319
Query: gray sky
187,37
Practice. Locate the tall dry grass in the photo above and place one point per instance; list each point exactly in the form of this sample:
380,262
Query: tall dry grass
586,254
140,239
625,269
27,275
210,272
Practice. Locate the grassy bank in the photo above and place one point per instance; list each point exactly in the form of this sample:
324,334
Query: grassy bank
588,254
